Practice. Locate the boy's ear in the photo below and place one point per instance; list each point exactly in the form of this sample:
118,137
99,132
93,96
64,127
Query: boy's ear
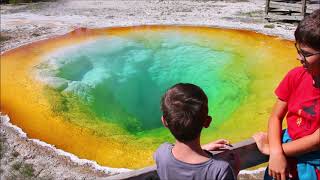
207,122
164,122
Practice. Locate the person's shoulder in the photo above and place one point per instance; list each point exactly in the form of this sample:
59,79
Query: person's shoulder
164,146
221,169
163,149
296,71
296,74
219,163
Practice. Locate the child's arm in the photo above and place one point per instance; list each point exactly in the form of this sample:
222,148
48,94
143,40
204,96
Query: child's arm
294,148
232,158
277,160
303,145
216,145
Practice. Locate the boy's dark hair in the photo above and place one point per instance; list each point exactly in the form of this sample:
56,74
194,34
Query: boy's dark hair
308,31
185,108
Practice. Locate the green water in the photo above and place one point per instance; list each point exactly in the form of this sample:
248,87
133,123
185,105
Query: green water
122,80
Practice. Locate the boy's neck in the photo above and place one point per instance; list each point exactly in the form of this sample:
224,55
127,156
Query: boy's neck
190,152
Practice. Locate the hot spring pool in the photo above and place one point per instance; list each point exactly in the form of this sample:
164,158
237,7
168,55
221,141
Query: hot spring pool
96,93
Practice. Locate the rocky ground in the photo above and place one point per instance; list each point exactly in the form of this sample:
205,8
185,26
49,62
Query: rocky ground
22,158
26,23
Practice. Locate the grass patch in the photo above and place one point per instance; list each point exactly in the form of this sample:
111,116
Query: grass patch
4,38
16,166
15,1
15,154
271,26
1,147
27,170
23,170
256,13
19,1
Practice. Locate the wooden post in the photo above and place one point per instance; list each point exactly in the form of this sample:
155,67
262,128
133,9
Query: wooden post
303,8
267,6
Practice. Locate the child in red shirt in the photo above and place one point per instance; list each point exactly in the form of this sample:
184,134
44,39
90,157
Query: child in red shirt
299,100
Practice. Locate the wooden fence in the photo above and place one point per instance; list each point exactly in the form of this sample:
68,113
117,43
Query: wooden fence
292,10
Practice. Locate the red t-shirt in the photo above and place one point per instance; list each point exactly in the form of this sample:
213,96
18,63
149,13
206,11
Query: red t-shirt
303,117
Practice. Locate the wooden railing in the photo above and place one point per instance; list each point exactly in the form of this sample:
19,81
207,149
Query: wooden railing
293,10
247,151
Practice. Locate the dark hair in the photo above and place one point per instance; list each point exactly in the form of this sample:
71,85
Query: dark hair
185,108
308,31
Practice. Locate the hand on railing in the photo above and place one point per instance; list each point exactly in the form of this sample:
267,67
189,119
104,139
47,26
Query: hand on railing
229,156
261,139
216,145
278,166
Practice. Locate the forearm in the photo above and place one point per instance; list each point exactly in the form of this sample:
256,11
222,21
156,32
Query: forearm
277,160
275,127
274,135
303,145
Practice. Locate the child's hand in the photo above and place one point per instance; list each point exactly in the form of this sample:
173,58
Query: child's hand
262,142
216,145
278,167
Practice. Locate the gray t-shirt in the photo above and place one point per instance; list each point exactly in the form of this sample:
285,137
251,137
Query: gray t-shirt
169,168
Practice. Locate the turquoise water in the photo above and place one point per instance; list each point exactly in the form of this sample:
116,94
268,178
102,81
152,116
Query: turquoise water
122,80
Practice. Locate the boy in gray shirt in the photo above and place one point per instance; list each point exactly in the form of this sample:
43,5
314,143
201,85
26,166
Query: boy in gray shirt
185,113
